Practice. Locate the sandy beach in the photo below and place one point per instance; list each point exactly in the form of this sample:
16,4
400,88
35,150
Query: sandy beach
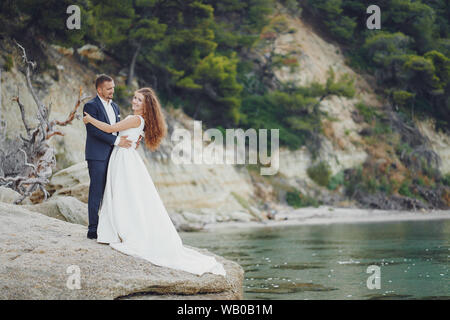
328,215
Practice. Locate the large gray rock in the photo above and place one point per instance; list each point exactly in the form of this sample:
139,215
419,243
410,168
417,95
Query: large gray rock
48,208
72,181
73,209
8,195
68,209
36,252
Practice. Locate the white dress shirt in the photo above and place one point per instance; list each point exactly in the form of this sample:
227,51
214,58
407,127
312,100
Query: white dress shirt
111,116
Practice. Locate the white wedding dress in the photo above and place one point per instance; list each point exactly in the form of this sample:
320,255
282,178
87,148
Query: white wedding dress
134,221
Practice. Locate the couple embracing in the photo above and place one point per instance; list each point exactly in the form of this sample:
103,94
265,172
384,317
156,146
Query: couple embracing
125,210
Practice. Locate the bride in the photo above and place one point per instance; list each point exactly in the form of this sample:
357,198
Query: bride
132,217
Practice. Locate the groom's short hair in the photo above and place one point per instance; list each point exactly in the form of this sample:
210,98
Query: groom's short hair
102,78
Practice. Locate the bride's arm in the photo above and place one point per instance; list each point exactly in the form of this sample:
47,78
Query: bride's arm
129,122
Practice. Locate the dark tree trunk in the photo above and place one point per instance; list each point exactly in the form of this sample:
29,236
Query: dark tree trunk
133,65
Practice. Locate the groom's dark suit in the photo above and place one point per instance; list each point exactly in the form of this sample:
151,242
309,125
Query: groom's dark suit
99,146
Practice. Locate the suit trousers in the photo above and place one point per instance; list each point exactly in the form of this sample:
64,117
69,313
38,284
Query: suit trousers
97,174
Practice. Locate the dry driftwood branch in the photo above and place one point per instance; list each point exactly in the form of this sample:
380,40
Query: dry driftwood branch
22,112
81,98
41,107
30,172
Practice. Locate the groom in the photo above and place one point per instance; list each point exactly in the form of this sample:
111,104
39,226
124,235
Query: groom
99,145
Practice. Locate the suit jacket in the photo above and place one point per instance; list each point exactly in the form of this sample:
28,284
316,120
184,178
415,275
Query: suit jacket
99,144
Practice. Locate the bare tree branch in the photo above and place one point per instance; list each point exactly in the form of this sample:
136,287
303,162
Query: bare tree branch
31,64
22,112
71,116
39,158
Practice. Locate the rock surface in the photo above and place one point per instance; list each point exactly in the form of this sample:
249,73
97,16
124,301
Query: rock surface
68,209
91,52
72,181
37,250
439,142
8,195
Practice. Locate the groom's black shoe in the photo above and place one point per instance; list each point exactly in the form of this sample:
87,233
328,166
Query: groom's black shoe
92,234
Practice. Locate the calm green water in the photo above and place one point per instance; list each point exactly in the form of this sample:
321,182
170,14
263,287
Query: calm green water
330,261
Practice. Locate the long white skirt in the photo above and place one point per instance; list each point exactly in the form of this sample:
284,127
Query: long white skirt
134,221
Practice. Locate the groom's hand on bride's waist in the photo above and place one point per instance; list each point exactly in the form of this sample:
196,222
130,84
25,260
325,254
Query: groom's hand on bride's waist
124,142
139,140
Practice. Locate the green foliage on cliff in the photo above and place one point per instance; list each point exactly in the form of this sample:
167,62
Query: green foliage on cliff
410,55
336,181
9,63
194,53
320,173
197,52
294,110
297,199
446,180
187,50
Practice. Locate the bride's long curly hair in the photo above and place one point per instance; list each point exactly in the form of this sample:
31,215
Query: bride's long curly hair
155,128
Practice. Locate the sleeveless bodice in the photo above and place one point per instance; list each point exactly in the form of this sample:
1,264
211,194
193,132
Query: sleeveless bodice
133,133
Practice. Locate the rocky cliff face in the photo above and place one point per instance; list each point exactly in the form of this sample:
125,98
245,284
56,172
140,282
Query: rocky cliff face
202,193
440,143
343,143
193,192
343,148
315,57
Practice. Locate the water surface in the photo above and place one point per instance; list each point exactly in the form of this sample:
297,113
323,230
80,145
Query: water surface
331,261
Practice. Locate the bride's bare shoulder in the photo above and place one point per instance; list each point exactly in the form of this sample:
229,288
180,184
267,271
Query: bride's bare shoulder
141,119
133,120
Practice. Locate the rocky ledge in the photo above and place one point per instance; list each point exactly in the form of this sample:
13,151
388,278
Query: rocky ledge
37,252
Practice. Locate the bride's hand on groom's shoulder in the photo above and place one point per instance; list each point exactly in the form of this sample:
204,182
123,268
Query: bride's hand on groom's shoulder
87,117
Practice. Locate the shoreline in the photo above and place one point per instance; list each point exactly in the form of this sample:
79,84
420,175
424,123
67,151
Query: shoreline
331,215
